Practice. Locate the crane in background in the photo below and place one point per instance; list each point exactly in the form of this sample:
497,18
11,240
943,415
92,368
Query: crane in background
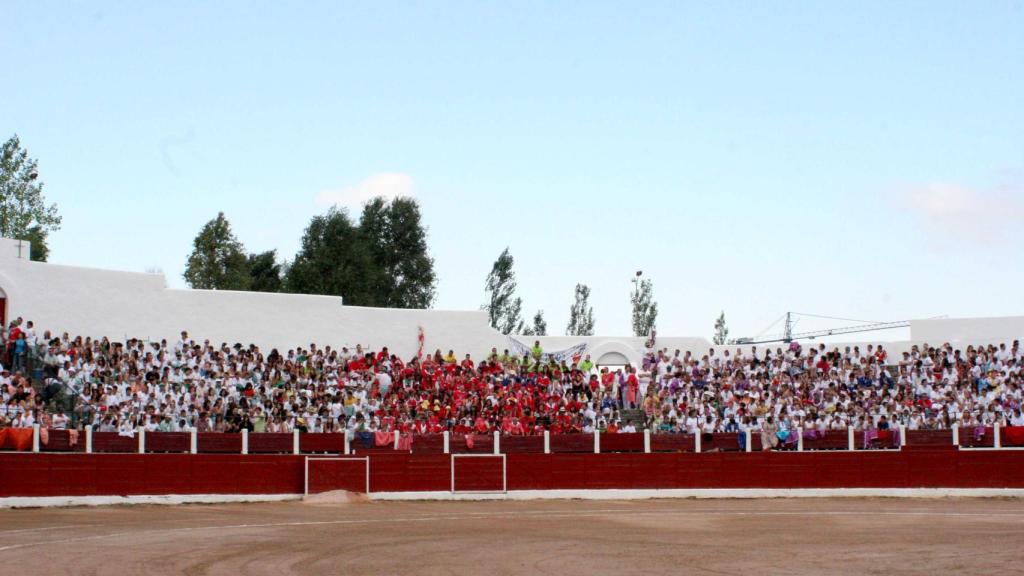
788,334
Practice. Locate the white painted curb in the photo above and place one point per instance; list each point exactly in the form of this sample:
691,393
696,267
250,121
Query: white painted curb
709,493
170,499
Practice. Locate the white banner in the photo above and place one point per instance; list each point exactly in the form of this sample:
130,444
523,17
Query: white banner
569,355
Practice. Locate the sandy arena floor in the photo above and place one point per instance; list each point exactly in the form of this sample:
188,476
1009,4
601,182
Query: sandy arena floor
793,537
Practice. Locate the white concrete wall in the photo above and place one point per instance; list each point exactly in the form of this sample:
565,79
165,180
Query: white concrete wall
85,301
92,302
964,331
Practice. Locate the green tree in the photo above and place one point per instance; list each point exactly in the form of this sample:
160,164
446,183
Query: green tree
645,309
721,331
334,259
218,259
40,251
397,242
539,328
264,272
503,308
24,214
581,314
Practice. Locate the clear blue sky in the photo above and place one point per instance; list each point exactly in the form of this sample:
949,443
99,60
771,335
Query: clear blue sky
862,160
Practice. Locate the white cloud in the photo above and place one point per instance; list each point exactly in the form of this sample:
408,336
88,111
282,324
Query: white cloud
954,214
387,184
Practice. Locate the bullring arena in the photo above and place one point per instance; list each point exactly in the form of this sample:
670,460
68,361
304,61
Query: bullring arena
384,461
787,536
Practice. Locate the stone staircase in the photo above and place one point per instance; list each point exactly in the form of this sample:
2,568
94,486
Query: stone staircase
636,415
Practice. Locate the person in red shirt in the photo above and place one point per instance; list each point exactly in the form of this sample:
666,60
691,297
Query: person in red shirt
480,426
632,388
516,428
822,366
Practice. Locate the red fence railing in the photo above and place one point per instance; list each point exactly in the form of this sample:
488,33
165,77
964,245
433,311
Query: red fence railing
334,443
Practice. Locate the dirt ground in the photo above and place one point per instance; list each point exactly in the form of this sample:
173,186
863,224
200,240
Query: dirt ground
794,537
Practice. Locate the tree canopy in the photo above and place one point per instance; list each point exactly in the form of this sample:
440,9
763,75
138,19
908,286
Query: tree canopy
218,259
645,309
581,314
264,272
334,260
504,309
397,243
540,326
24,213
721,331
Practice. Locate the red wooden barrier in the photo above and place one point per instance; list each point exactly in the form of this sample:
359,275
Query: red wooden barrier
321,442
219,443
572,443
113,442
68,474
829,440
929,437
428,444
977,437
57,441
723,442
672,443
625,442
522,444
271,443
1012,436
168,441
478,474
481,444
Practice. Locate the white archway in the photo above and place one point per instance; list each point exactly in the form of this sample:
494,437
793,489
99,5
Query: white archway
614,353
612,359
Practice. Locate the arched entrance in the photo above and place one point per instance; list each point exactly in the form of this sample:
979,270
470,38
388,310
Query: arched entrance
614,354
612,359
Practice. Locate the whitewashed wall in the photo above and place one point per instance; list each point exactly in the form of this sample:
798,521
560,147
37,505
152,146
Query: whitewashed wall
964,331
86,301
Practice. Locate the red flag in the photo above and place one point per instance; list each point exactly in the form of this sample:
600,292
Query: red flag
1014,435
384,438
405,442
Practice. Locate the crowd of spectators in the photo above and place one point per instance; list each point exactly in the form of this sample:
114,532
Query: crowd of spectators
62,381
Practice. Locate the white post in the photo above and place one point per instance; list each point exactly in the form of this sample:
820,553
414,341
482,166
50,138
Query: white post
348,447
193,443
547,442
998,441
750,442
497,442
647,440
849,439
35,437
597,442
142,440
245,440
88,439
447,442
799,439
295,441
696,442
903,436
397,433
956,434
